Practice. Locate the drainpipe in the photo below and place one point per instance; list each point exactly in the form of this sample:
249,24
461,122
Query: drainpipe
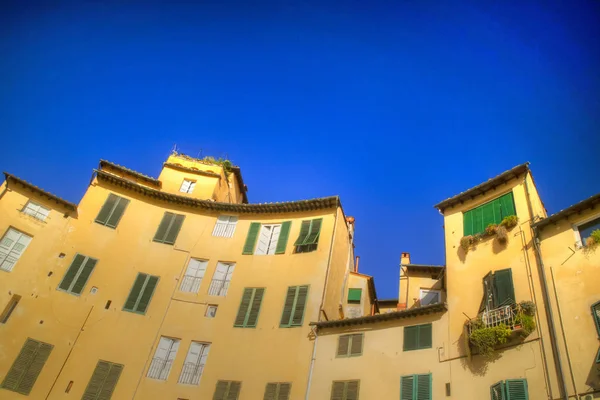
312,363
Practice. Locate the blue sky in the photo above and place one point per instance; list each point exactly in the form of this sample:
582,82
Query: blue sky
394,106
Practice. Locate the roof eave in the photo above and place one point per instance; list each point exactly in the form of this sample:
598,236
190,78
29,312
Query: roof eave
589,203
68,205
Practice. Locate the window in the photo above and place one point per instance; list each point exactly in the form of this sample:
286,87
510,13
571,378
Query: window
498,289
27,367
103,381
493,212
271,238
211,311
345,390
350,345
141,293
163,358
584,231
354,295
511,389
308,238
247,315
225,226
78,274
417,337
12,246
169,228
111,212
415,387
429,296
596,316
293,309
221,279
278,391
36,210
194,363
187,186
227,390
10,307
193,276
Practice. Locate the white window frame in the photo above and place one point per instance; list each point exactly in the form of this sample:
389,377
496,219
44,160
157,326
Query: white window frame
578,241
36,210
193,366
187,186
164,355
220,286
225,226
268,236
425,292
11,252
211,311
194,273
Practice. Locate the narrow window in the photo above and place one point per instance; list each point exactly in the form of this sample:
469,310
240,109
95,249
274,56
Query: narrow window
111,212
78,274
345,390
163,358
36,210
350,345
415,387
417,337
429,296
278,391
194,363
221,279
293,309
247,315
193,276
225,226
27,366
141,293
227,390
169,228
211,311
308,238
354,295
103,381
12,246
187,186
10,307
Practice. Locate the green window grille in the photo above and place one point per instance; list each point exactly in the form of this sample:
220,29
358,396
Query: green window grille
103,381
415,387
247,315
278,391
27,367
417,337
169,228
111,212
141,293
350,345
78,274
354,295
493,212
345,390
293,309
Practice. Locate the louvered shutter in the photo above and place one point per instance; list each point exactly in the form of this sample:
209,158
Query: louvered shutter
497,391
596,316
94,387
284,391
270,392
423,387
34,368
315,230
507,206
304,230
174,229
283,237
488,214
78,260
478,225
337,390
110,383
20,365
286,316
425,336
255,307
504,291
234,390
356,346
407,387
352,390
107,208
244,306
161,232
151,283
221,390
468,223
411,339
516,389
251,238
298,315
84,274
343,343
119,210
135,292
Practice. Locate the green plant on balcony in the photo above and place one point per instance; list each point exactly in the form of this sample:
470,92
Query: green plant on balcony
527,307
485,339
526,323
510,222
499,230
226,164
592,242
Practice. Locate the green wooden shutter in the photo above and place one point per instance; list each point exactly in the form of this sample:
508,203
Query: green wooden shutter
356,344
135,292
423,387
117,213
94,387
284,234
304,230
516,389
251,238
504,291
337,390
468,223
67,280
284,391
84,274
343,345
407,387
107,209
315,230
255,307
424,337
596,316
352,390
497,391
244,306
147,293
598,357
286,315
507,206
163,228
488,214
110,382
27,367
221,390
270,392
234,390
174,229
478,225
354,295
298,315
411,338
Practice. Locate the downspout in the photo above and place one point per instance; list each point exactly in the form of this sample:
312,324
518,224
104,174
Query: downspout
312,362
545,295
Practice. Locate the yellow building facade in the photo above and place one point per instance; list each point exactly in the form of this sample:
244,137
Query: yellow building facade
177,288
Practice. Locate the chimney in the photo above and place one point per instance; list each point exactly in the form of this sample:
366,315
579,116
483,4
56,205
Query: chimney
356,264
405,259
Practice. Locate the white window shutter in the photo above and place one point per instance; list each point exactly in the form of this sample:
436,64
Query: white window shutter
230,268
274,238
263,240
12,246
